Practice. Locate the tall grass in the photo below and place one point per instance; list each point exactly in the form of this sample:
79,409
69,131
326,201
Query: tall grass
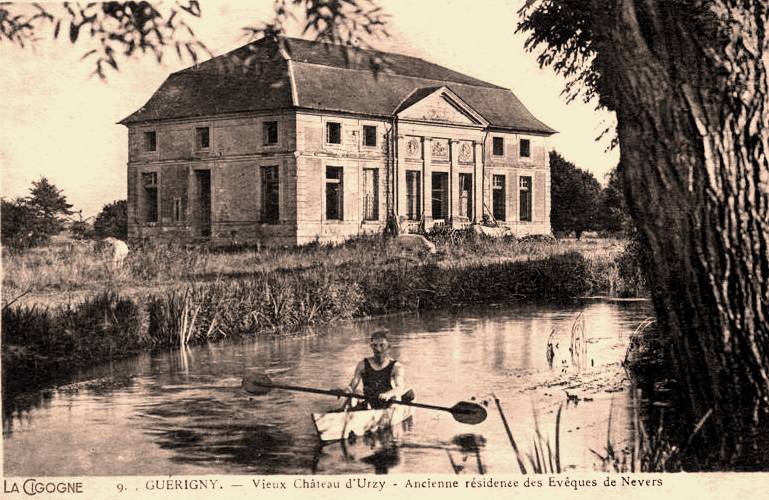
75,266
542,457
174,296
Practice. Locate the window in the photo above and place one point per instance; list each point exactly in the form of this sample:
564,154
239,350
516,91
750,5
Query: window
524,187
413,195
466,195
370,194
270,212
525,148
270,133
177,209
369,135
334,193
498,146
150,184
498,197
150,179
202,137
334,133
440,195
150,141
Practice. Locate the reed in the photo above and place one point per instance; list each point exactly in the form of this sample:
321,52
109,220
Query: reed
170,300
543,458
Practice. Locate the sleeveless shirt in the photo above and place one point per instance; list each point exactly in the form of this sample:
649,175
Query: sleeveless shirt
376,382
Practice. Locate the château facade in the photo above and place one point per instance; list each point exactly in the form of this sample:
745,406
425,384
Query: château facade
288,141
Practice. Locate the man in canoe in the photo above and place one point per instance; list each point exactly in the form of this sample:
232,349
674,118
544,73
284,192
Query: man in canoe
383,377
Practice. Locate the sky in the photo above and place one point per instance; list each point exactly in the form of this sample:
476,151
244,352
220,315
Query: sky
58,121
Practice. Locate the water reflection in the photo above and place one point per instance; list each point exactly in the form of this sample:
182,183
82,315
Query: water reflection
183,412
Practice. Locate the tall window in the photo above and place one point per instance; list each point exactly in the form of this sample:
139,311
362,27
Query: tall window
369,135
270,132
334,193
150,185
440,195
202,137
498,197
466,195
524,189
413,195
150,141
334,133
525,148
498,146
370,194
270,195
178,214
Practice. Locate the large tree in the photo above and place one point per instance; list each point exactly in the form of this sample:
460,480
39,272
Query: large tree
575,197
50,206
614,216
688,83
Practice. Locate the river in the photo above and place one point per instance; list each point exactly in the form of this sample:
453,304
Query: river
183,412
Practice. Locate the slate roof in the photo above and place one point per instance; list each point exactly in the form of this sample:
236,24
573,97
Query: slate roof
326,77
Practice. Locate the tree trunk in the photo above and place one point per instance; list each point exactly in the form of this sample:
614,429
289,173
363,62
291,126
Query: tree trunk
688,81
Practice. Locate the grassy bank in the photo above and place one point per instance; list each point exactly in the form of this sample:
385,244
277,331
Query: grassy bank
58,273
173,295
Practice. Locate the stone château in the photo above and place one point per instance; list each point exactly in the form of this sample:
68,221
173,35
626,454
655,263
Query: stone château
288,141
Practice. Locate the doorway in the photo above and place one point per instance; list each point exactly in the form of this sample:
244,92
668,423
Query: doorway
203,190
440,195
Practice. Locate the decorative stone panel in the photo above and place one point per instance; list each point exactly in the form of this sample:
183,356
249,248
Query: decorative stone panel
466,152
413,148
440,150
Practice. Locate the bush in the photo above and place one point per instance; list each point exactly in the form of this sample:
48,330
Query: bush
112,221
31,221
538,238
631,264
18,225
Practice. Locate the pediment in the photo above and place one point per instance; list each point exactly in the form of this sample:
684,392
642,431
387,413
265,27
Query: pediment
438,105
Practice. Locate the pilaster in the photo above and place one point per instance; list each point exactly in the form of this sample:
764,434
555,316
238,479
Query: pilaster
427,179
454,179
478,183
400,185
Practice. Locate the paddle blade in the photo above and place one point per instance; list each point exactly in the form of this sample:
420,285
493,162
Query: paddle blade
468,413
257,384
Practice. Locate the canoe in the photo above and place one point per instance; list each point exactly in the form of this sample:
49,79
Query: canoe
338,425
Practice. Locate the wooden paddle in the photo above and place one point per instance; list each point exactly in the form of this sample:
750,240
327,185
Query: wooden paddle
464,411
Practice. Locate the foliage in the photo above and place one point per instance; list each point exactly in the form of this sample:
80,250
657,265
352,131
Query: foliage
331,20
50,206
631,264
112,221
615,217
81,228
31,221
563,30
575,197
18,224
116,29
